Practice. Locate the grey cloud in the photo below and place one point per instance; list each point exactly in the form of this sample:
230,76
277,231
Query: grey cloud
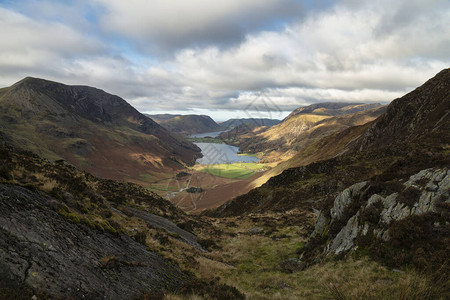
350,52
161,26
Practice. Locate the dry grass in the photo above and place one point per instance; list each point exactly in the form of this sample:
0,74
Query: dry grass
250,263
176,297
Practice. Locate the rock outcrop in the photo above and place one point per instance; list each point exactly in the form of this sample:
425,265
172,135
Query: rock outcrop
365,209
43,251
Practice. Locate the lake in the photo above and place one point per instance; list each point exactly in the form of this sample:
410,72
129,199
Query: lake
221,154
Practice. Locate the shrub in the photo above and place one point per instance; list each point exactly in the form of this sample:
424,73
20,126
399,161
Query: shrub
409,196
211,290
415,241
5,173
141,237
208,244
371,214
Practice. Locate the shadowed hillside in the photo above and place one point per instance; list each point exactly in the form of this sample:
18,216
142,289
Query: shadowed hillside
189,124
92,129
67,234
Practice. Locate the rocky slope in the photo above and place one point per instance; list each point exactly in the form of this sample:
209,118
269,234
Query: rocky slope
382,197
419,117
92,129
426,192
401,221
68,234
43,252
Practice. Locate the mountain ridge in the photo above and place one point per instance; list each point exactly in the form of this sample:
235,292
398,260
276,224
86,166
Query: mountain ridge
90,128
346,159
190,124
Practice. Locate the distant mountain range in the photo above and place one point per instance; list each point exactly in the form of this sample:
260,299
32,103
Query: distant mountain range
95,131
332,109
158,118
302,127
190,124
185,125
249,122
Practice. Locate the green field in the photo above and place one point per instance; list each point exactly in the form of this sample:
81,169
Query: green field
236,170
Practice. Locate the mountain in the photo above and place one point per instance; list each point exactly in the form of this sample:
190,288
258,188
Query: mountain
383,195
421,116
95,131
65,233
303,127
410,128
158,118
250,122
185,125
363,217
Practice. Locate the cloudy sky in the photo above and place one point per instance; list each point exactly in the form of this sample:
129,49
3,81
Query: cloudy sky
228,58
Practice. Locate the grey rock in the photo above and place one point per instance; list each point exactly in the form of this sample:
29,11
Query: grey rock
168,225
344,199
434,184
321,225
41,250
344,240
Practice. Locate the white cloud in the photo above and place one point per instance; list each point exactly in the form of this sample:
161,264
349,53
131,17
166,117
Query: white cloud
341,54
31,47
353,51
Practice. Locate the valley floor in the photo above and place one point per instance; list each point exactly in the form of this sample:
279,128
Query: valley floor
216,190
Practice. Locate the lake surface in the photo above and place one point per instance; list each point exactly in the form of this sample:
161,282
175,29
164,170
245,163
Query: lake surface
221,154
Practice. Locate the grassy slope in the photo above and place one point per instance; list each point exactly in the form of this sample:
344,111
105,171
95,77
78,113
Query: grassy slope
54,141
251,263
320,150
283,141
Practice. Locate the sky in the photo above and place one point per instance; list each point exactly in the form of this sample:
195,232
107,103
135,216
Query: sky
234,58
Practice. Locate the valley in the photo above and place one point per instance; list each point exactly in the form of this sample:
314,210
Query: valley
336,200
225,150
